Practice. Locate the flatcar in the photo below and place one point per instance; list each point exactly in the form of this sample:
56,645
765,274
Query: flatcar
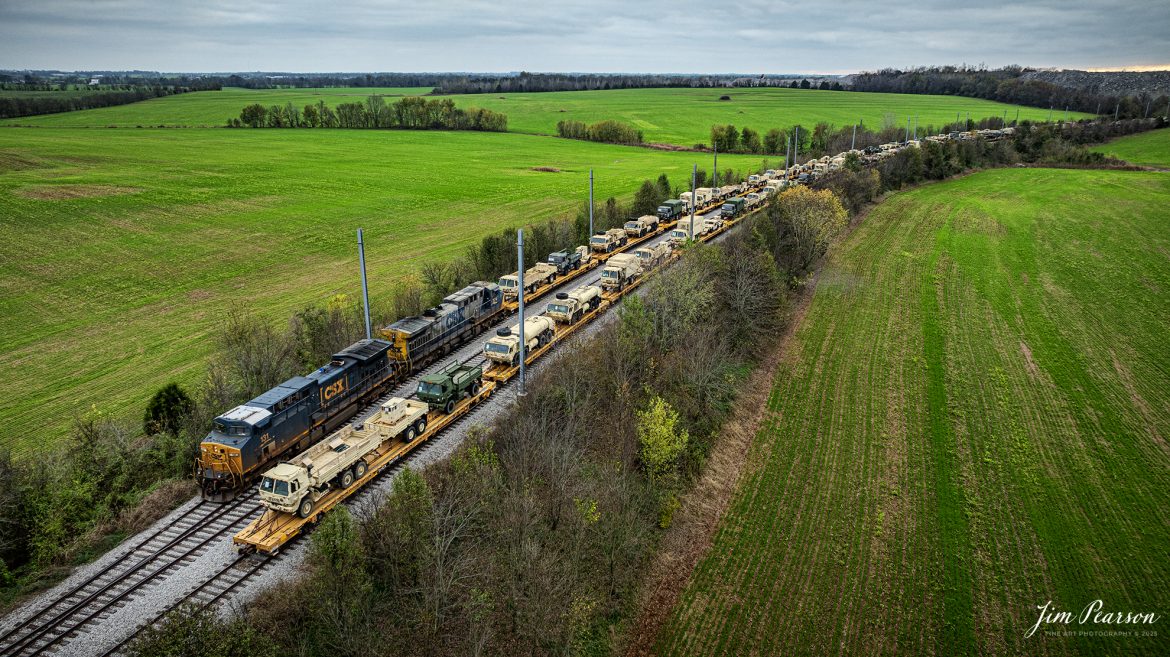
290,417
419,341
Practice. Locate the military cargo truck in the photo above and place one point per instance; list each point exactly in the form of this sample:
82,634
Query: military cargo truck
732,207
673,208
504,347
608,241
443,389
620,271
682,231
567,261
538,276
652,256
641,226
337,462
570,307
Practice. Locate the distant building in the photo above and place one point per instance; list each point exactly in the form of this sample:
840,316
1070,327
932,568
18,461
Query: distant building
94,81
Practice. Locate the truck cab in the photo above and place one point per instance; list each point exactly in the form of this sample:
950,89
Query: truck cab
282,487
565,261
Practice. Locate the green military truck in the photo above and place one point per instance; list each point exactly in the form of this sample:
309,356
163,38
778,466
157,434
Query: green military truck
732,207
443,389
671,209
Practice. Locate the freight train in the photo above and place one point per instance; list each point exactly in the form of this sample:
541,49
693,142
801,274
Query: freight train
297,413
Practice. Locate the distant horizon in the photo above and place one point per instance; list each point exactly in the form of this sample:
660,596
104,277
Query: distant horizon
1159,68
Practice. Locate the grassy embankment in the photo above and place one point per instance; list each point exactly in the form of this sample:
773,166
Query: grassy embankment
1148,148
972,420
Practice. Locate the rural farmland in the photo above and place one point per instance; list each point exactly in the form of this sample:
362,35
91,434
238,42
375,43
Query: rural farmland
970,421
674,116
122,250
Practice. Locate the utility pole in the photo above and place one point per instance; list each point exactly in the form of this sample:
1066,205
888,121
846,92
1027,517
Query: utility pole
853,144
520,298
1117,111
1017,121
1049,114
365,289
1147,114
694,176
1066,113
967,125
715,168
907,128
1003,121
916,127
796,145
591,203
1098,112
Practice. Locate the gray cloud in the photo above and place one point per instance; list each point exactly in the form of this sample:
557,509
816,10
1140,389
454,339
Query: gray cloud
603,35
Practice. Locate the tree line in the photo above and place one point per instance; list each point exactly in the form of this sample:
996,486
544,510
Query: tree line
1006,85
608,131
408,113
55,101
531,82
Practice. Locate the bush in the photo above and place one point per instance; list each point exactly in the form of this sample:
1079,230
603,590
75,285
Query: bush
166,410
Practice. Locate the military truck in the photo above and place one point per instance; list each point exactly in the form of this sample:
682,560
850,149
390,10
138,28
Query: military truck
755,198
672,208
443,389
682,230
754,179
732,207
652,256
337,462
539,275
727,191
608,241
620,271
570,307
567,261
641,226
705,195
504,347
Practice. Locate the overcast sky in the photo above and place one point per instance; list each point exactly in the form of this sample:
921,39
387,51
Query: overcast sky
600,35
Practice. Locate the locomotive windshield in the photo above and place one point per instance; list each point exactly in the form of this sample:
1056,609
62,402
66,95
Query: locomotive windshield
275,486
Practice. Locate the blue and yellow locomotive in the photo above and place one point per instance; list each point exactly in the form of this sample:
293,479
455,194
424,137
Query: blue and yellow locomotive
290,417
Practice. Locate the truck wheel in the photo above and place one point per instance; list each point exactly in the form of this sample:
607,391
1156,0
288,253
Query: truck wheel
408,435
450,407
421,426
306,508
475,388
359,470
346,479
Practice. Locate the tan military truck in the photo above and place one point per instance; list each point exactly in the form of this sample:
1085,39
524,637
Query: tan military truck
620,271
682,230
652,256
504,346
538,276
641,226
705,195
339,460
611,239
570,307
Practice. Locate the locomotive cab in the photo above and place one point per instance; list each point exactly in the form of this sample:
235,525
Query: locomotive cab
228,450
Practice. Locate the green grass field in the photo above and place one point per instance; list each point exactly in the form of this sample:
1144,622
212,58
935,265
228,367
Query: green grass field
675,116
119,249
1148,148
972,420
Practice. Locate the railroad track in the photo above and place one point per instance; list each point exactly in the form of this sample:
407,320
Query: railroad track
52,627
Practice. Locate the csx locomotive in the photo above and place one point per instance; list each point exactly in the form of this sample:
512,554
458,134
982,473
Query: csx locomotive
296,414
